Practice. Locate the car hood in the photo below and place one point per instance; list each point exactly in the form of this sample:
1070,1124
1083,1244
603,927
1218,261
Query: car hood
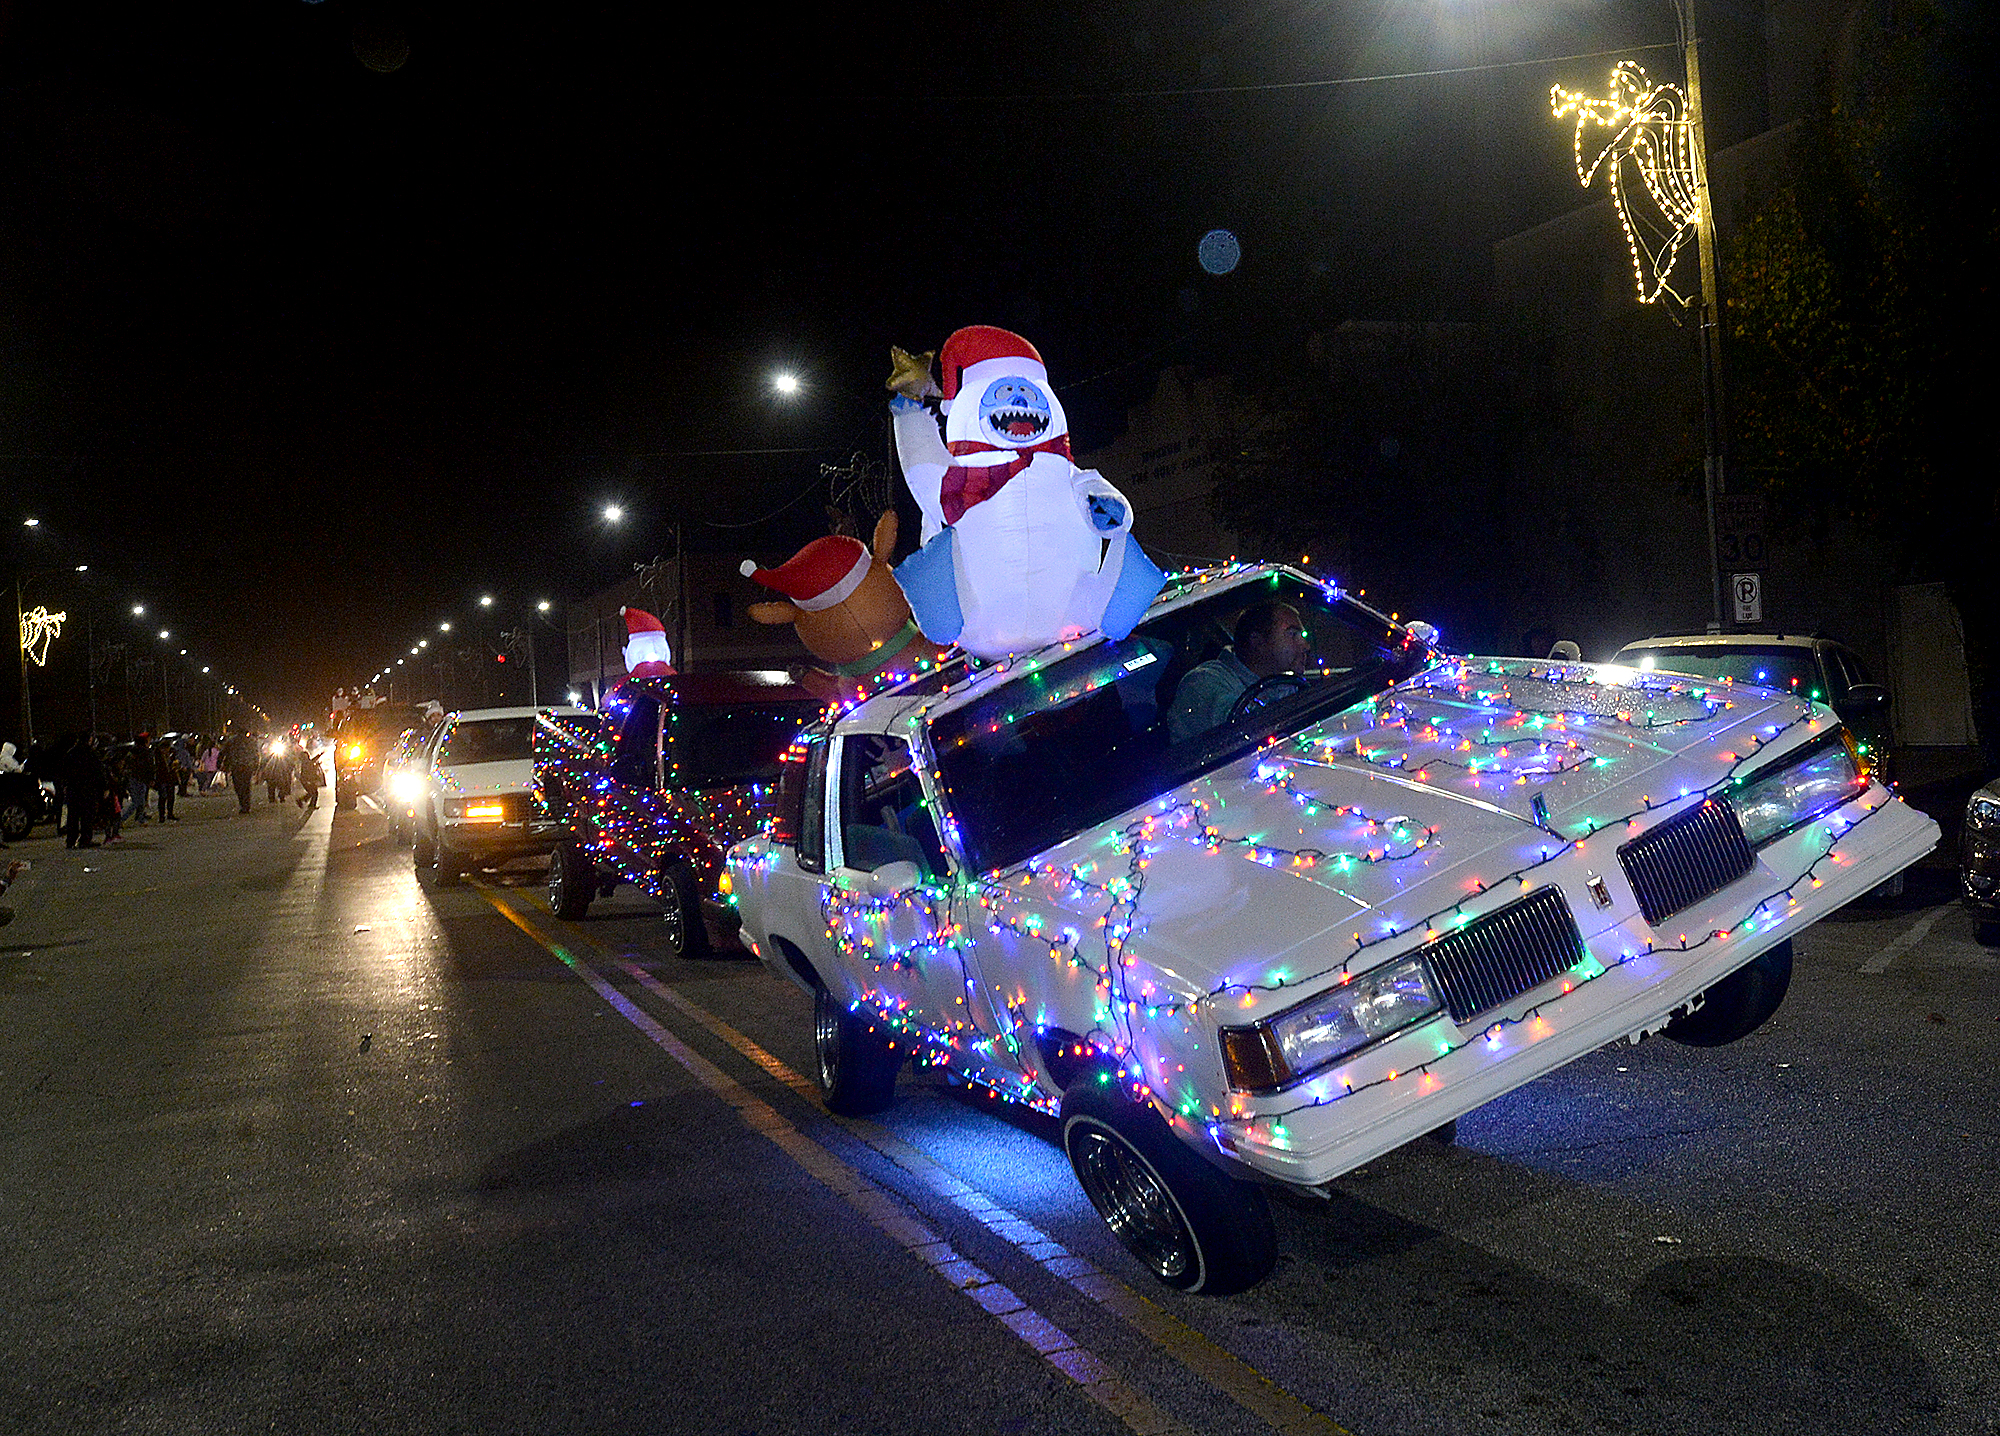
1375,819
511,775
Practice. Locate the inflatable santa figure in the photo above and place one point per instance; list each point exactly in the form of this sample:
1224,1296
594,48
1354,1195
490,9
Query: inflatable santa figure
1020,546
646,651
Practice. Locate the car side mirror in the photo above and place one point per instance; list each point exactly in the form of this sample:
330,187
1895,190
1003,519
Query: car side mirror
894,879
1867,697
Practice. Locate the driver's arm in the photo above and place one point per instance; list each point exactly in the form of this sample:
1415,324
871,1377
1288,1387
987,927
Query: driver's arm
1203,701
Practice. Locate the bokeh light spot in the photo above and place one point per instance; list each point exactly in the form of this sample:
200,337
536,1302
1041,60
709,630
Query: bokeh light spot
1218,251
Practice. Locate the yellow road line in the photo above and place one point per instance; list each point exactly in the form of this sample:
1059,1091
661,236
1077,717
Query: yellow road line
884,1210
1216,1364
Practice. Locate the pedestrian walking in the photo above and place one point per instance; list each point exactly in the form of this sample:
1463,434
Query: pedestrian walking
311,775
211,766
165,783
239,758
183,764
138,777
85,783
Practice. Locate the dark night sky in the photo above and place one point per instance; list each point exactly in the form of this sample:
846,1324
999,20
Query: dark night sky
307,352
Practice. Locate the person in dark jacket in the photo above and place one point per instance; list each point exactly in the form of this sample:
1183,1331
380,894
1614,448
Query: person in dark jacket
165,781
311,775
85,783
239,757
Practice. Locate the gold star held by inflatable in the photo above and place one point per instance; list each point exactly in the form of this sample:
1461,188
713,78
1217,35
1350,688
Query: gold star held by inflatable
910,374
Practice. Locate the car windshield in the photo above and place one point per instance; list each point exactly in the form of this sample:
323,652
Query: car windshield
1790,669
487,740
1072,743
709,747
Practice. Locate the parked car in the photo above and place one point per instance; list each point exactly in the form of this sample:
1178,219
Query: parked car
24,801
402,782
1380,892
361,740
1819,669
653,790
477,805
1979,861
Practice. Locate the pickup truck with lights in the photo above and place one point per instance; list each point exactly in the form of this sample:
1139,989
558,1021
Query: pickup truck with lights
1268,945
654,787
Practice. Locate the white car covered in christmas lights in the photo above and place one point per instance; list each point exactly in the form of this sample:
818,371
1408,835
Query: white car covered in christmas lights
1267,937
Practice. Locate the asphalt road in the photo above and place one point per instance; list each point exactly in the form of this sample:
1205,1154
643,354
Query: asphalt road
293,1144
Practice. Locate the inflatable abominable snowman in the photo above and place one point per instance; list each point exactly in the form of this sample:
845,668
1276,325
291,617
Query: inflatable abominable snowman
1020,546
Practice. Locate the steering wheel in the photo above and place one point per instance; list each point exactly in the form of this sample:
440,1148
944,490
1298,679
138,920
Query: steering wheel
1266,690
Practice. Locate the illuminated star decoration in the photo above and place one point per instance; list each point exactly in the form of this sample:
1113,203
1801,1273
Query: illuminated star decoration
1651,131
38,626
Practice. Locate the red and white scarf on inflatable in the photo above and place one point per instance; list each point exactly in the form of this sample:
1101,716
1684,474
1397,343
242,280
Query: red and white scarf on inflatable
966,484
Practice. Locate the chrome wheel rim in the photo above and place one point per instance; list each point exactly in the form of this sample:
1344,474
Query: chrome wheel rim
556,881
826,1041
674,921
1133,1201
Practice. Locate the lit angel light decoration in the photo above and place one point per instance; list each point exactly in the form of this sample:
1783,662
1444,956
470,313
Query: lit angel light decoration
1651,130
38,626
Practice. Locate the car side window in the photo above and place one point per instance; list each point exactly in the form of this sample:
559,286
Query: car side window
636,761
883,816
1834,666
812,821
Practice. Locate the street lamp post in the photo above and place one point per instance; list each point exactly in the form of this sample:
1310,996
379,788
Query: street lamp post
1715,430
1658,131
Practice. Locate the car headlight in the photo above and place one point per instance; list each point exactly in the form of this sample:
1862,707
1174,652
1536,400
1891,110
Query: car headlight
1982,814
354,752
1814,780
1330,1026
406,787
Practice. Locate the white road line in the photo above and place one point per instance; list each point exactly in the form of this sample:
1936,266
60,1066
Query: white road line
885,1210
1915,933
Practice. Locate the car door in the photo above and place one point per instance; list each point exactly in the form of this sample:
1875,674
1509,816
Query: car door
625,822
887,906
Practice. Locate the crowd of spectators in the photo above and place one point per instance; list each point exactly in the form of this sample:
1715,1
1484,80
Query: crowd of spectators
101,783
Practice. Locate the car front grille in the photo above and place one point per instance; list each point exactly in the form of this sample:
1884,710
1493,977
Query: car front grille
1501,955
1685,859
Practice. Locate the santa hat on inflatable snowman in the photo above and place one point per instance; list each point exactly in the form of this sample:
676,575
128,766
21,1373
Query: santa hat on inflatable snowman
646,652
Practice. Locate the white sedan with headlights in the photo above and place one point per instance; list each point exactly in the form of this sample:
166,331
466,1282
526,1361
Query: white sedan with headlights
403,781
1270,945
477,804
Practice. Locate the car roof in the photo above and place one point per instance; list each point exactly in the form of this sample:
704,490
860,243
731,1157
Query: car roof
752,686
475,715
1727,640
889,710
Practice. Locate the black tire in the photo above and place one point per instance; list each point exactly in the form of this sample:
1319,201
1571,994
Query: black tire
435,866
858,1058
1987,933
1194,1227
572,882
15,821
681,923
1739,1004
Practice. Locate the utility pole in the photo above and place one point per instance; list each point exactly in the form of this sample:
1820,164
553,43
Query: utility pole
1714,394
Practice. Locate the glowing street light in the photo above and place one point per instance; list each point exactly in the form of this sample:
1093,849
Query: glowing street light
138,610
31,523
444,628
786,384
421,643
613,513
542,607
165,633
486,600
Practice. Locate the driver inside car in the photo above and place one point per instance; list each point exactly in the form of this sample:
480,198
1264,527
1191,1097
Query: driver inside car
1269,638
